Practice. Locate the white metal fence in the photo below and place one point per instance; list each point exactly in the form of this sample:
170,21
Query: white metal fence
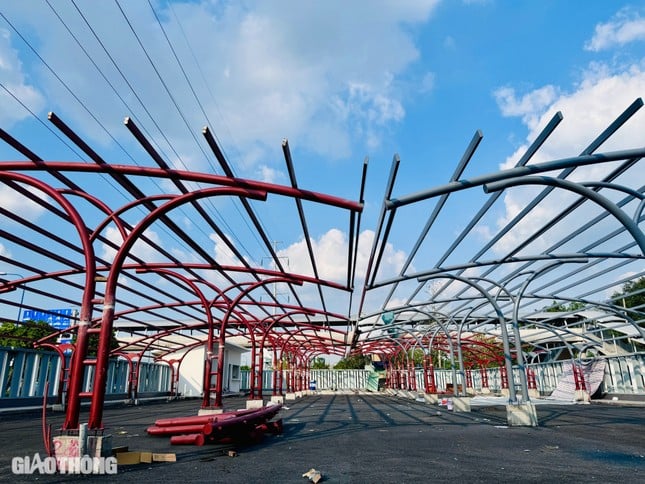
623,375
25,373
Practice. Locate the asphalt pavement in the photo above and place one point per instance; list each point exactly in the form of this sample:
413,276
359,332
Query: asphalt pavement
368,438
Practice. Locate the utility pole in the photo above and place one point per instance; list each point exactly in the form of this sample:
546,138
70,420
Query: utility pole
274,267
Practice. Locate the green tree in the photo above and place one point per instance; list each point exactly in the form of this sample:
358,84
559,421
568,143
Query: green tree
556,307
632,294
93,343
353,362
24,334
319,364
415,355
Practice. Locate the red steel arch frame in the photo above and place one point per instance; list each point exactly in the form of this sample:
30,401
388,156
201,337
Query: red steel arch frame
300,338
236,187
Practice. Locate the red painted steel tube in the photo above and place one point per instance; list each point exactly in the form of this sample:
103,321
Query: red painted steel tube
192,176
190,439
201,419
206,429
503,375
107,319
484,376
82,337
579,377
225,320
276,427
254,422
177,421
530,379
256,417
263,427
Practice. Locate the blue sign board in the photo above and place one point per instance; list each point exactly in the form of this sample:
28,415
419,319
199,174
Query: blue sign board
57,318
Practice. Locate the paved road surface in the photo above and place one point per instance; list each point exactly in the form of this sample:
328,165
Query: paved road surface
372,439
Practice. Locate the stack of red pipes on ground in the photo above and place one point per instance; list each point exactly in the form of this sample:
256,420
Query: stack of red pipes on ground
236,425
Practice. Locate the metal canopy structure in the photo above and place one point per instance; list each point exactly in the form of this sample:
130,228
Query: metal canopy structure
574,234
576,227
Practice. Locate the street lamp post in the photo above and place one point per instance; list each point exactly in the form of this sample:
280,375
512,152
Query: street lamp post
22,296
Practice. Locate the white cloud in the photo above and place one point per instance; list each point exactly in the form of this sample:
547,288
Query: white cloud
4,251
449,43
392,260
15,202
330,251
13,78
141,249
514,202
265,71
529,106
626,26
428,82
187,223
269,175
223,254
599,98
484,232
618,288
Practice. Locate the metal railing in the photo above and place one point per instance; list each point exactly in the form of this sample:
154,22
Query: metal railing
623,375
25,373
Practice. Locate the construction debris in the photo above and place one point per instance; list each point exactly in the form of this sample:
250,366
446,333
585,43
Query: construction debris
313,475
246,424
137,457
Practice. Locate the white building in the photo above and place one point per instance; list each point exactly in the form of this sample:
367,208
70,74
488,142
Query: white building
179,350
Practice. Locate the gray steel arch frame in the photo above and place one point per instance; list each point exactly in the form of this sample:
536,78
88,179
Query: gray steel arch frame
598,225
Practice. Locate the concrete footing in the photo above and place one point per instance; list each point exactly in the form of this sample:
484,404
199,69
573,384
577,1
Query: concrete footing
99,445
461,404
74,446
581,396
290,396
210,411
254,404
521,415
431,398
277,399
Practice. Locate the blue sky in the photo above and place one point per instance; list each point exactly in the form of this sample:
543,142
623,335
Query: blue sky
340,80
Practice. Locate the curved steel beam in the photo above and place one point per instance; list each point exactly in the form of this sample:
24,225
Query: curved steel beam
82,336
592,195
98,394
